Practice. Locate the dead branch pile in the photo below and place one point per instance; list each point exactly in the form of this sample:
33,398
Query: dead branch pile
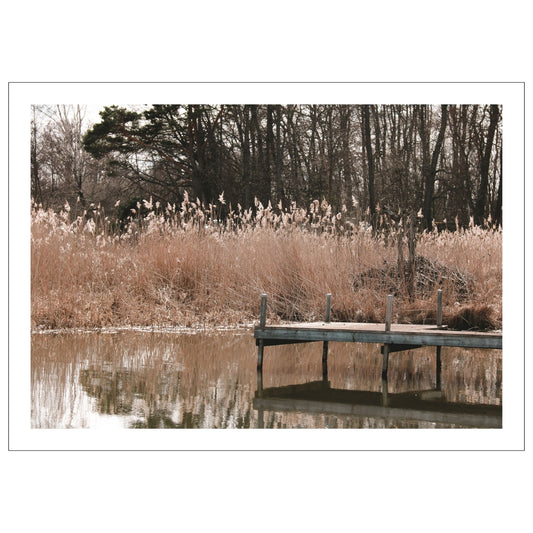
429,275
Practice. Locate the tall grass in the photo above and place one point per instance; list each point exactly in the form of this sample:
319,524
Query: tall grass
194,265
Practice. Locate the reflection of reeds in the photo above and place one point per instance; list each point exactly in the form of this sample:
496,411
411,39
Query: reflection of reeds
185,265
162,380
167,380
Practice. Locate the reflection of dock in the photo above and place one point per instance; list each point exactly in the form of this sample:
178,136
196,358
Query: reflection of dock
394,339
426,406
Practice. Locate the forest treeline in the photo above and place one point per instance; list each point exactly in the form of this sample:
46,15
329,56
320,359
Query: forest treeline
443,162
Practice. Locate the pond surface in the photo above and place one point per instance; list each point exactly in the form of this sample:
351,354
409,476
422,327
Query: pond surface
182,380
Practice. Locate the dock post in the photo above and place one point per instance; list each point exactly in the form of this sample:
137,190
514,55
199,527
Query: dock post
439,325
385,366
262,314
260,342
388,314
386,347
326,344
439,308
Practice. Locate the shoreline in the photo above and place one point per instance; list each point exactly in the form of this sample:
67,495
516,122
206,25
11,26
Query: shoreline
187,330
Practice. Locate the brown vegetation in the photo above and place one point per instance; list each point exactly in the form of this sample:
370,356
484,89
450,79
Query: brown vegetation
184,266
473,317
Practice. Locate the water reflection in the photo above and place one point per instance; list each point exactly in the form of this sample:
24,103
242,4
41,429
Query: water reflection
170,380
370,409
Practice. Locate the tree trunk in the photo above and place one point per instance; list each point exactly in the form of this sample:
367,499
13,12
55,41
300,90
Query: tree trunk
346,155
246,159
370,163
497,217
481,203
279,156
429,167
269,146
36,191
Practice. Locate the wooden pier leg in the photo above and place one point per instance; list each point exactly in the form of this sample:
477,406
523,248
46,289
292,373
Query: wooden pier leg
439,367
386,347
262,322
326,344
385,365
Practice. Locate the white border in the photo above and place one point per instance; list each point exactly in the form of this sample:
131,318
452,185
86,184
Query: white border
510,95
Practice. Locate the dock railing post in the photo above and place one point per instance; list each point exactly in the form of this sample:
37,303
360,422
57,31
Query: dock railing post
439,325
260,342
386,347
262,315
388,314
326,344
439,308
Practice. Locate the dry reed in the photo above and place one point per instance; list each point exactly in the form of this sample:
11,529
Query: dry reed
194,265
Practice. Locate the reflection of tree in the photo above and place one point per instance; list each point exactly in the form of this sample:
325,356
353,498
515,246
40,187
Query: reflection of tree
151,396
157,420
124,391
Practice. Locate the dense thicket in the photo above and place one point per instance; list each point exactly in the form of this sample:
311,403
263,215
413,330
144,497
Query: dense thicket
444,162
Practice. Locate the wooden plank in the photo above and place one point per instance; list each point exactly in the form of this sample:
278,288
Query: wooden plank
369,326
342,332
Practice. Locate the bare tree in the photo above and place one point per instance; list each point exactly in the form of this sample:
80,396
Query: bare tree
429,164
36,189
370,162
485,158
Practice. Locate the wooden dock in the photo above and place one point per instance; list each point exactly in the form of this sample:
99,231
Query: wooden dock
394,338
407,335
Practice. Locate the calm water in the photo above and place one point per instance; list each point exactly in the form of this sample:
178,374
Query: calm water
176,380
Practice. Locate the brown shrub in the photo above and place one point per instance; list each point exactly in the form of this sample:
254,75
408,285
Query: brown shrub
473,317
